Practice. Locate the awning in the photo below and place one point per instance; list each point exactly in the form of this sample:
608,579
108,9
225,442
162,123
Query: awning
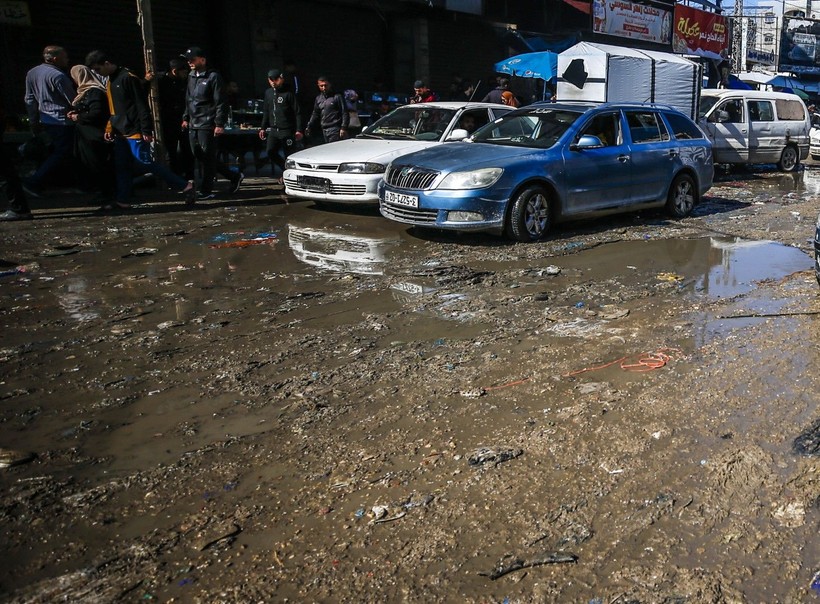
584,7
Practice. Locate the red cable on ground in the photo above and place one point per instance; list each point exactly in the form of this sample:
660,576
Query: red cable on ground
648,361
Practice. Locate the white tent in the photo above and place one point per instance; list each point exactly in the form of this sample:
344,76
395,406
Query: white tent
601,72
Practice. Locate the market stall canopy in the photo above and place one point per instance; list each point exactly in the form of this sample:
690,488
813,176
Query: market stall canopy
542,65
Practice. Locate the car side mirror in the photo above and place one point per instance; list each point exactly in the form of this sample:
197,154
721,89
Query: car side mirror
721,116
459,134
587,141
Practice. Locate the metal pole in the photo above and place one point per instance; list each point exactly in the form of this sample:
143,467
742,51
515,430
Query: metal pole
147,28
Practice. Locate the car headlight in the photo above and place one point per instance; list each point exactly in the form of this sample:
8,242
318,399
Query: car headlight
474,179
361,167
290,164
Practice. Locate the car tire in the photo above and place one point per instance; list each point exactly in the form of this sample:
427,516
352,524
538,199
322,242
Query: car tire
789,159
529,218
682,197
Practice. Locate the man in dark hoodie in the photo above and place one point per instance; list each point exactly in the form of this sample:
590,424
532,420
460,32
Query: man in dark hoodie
131,130
206,113
282,115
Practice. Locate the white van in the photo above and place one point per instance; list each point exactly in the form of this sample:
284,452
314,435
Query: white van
755,127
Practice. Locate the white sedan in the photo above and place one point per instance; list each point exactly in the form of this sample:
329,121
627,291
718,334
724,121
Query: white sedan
348,171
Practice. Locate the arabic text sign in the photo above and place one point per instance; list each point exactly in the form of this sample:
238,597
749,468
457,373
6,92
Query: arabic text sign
14,12
631,20
799,46
696,31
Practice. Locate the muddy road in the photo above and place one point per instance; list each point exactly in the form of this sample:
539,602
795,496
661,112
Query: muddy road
263,401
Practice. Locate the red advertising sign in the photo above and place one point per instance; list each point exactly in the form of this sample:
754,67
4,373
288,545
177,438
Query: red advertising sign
698,32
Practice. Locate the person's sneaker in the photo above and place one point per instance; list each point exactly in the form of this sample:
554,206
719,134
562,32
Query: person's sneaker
31,191
237,182
10,215
190,193
202,196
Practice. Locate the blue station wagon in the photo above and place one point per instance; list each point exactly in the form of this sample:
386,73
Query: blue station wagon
550,162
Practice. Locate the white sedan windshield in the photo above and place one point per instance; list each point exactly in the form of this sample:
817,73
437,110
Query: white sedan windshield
408,122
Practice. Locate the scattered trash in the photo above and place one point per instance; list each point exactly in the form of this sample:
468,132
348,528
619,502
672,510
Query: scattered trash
483,455
62,250
473,393
670,277
815,582
380,514
169,324
141,251
359,513
510,563
231,531
10,457
808,441
579,305
17,270
608,471
647,361
791,514
241,239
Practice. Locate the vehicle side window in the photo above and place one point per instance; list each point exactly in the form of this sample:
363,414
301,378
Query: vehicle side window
761,111
734,108
606,127
644,127
515,127
790,110
473,119
682,128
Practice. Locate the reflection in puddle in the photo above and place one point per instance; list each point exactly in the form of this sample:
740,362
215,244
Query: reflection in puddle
736,264
340,252
76,302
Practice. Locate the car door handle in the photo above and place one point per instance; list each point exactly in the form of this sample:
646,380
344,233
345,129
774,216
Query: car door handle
673,153
623,158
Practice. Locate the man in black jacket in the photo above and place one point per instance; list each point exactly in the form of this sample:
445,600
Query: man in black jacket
172,85
330,112
206,112
281,113
130,127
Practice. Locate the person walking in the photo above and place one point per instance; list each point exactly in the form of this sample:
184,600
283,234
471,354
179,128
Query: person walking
282,115
90,114
131,130
205,116
172,85
497,94
329,112
48,98
18,203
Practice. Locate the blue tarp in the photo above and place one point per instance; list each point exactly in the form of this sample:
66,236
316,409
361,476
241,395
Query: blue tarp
736,83
542,65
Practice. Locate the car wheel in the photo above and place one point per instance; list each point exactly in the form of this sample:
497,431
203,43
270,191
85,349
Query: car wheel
529,218
788,159
683,195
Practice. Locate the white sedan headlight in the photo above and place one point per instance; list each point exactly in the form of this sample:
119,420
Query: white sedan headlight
361,167
290,164
474,179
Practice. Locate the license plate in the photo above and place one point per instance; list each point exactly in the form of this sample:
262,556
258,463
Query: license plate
314,183
401,199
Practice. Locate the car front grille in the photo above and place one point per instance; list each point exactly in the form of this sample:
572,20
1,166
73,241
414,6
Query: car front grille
410,177
335,189
311,167
412,215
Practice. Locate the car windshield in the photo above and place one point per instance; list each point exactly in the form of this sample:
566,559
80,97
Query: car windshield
706,103
414,123
539,128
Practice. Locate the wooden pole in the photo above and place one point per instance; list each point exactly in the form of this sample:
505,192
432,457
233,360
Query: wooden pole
147,28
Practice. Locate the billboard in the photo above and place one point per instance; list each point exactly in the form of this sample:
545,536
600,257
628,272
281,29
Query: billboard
701,33
632,20
799,51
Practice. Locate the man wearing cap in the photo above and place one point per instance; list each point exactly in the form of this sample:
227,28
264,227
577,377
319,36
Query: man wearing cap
330,112
206,112
282,115
422,93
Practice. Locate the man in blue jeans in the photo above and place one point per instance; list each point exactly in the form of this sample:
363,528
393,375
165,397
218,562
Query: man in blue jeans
50,93
131,130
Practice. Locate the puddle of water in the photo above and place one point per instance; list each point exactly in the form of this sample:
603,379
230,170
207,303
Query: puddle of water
715,267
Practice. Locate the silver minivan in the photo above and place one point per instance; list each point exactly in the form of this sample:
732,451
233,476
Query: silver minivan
755,127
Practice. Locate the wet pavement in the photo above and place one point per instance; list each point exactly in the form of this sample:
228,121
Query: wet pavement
261,400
